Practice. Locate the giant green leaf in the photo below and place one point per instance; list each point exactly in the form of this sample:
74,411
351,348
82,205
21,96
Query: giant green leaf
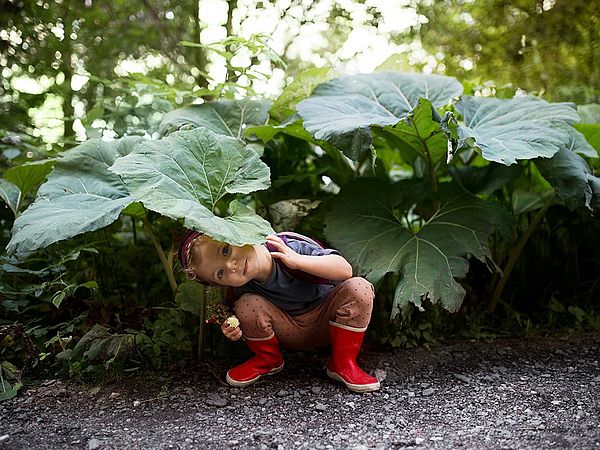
185,174
366,225
227,117
343,110
10,194
507,130
581,138
80,195
420,131
27,177
300,88
589,127
591,133
572,179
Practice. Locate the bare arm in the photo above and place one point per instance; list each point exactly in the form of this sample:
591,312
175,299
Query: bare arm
331,267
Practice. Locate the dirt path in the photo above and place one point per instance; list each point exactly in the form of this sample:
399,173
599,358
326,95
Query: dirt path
540,393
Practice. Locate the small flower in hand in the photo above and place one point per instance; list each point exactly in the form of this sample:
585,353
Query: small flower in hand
233,322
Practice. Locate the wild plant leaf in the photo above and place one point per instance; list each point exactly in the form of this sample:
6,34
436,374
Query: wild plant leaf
301,87
80,195
10,193
27,177
287,214
190,298
487,179
343,110
421,131
507,130
185,174
572,179
226,117
589,126
366,225
580,142
591,134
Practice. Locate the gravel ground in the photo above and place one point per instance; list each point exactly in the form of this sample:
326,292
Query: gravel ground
505,394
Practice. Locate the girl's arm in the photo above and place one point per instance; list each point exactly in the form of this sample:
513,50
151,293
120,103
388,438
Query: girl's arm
331,267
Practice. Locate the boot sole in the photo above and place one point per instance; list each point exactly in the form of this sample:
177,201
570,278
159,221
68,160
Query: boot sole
236,383
354,387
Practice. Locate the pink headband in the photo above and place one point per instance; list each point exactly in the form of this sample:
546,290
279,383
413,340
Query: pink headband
182,252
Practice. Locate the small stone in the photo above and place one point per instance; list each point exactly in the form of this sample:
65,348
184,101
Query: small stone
4,437
216,400
380,374
283,393
113,395
316,389
93,444
462,377
427,392
136,403
320,407
419,441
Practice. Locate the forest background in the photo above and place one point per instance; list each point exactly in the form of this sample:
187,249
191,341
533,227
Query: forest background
111,299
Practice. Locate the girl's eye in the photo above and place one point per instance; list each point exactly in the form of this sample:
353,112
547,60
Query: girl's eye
220,273
226,250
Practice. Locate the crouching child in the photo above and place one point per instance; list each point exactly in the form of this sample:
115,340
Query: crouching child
290,291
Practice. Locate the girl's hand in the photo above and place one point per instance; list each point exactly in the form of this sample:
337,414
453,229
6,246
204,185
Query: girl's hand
283,253
233,334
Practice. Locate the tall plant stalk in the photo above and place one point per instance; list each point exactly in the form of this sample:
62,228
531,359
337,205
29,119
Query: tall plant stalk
514,256
161,254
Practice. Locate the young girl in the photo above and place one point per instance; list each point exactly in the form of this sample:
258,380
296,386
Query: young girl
288,291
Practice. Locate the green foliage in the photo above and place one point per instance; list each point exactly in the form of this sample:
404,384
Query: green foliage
80,195
520,128
371,226
342,111
542,47
420,190
186,174
226,117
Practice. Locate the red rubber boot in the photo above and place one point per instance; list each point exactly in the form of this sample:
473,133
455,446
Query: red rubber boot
345,346
266,361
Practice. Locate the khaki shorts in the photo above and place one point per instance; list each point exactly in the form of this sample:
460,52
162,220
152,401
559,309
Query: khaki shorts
350,303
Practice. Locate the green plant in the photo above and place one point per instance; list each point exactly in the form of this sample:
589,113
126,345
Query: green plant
421,191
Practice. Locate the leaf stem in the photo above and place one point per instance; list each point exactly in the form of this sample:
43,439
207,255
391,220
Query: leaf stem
161,254
430,166
202,325
514,256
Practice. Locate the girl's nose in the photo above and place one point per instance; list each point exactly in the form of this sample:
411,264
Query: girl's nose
232,265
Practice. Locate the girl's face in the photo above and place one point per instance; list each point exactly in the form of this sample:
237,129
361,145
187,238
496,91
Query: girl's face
228,265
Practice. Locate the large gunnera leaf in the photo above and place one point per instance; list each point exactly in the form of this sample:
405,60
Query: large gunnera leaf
572,179
367,227
11,194
227,117
80,195
185,174
507,130
589,127
342,111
